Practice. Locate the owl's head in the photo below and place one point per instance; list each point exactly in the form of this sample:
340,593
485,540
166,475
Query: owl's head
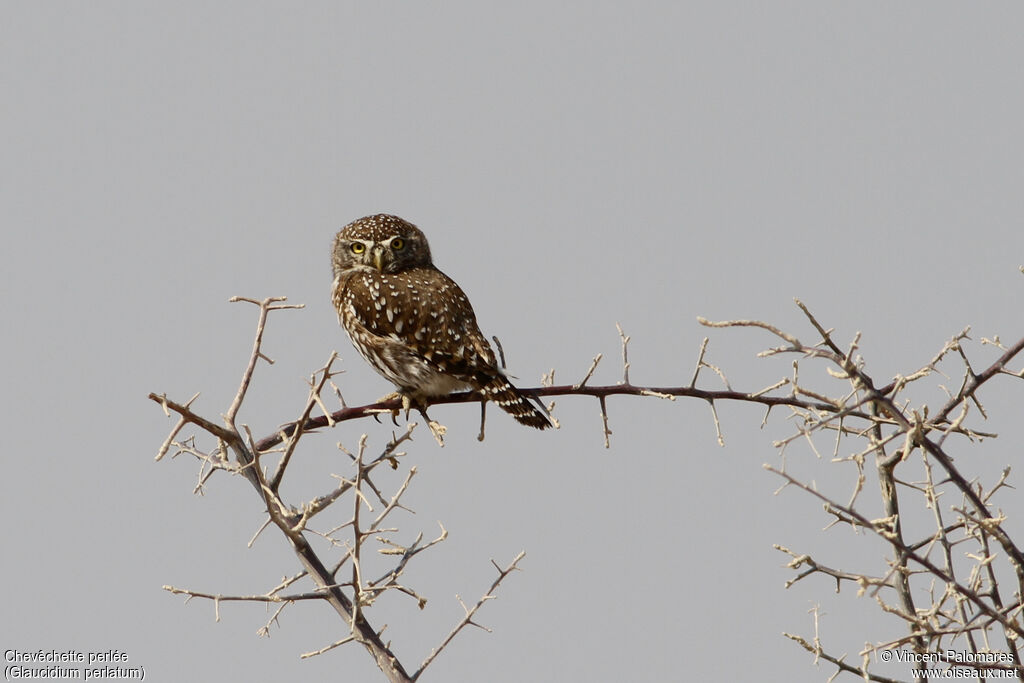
381,242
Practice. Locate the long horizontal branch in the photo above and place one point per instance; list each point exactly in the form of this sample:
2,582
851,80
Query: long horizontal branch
358,412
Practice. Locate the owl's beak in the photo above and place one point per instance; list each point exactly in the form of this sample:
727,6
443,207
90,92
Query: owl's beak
378,259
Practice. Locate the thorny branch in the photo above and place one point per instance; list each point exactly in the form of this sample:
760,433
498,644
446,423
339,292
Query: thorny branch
471,612
351,598
966,603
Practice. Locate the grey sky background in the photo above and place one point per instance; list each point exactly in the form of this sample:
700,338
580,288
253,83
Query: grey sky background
574,165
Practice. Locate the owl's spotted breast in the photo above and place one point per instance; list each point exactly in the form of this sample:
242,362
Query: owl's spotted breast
422,309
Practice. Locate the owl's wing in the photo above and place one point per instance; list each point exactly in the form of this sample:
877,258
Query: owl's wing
418,329
427,314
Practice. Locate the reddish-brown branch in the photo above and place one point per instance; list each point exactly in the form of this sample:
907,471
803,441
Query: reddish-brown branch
976,380
357,412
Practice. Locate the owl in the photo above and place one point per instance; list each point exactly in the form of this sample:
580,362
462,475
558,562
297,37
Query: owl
411,322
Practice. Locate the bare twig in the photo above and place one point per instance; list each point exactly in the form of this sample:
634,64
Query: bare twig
625,354
266,305
471,612
586,377
314,399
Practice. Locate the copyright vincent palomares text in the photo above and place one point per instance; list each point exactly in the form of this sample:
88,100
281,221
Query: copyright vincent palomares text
955,664
83,665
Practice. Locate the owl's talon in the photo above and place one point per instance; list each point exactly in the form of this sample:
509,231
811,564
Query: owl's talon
438,430
393,396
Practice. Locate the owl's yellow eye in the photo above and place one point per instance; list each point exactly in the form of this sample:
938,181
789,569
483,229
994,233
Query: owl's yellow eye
358,247
398,244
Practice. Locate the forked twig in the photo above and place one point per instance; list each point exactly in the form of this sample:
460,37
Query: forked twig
470,612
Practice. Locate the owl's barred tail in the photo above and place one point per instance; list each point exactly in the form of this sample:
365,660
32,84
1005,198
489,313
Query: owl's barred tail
514,402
